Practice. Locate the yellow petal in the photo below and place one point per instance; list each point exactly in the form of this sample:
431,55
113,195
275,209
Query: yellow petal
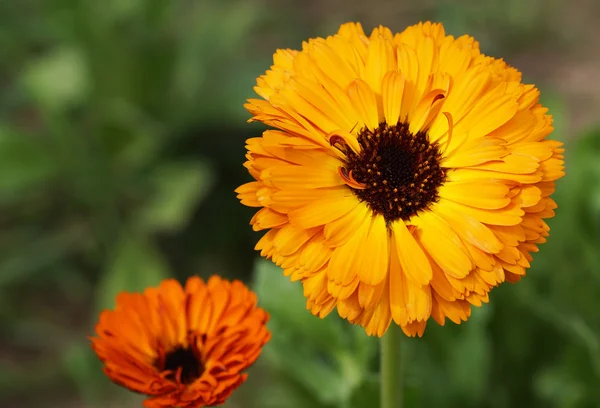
464,174
349,308
456,311
412,259
485,194
267,218
536,150
374,253
392,91
510,215
517,128
488,150
345,291
246,193
408,64
364,100
528,196
343,266
426,108
370,295
379,317
441,285
293,198
315,287
414,328
426,52
295,100
509,235
489,113
321,212
511,164
443,245
317,96
330,62
301,177
315,254
408,300
338,232
464,95
289,239
380,60
471,230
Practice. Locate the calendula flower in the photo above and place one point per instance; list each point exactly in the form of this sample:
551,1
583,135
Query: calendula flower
407,174
184,347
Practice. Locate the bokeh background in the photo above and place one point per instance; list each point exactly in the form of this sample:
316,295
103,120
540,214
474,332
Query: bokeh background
122,139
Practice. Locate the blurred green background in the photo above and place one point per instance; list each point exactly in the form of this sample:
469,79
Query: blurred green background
122,139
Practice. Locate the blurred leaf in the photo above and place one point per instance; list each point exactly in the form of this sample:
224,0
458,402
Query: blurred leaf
273,390
320,354
17,262
125,8
558,390
82,366
367,395
212,71
470,363
177,189
24,164
57,80
238,88
36,374
284,300
135,265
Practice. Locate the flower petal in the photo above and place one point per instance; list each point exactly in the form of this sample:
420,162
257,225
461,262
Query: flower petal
363,98
443,245
486,194
374,255
339,231
343,267
412,258
321,212
392,91
409,301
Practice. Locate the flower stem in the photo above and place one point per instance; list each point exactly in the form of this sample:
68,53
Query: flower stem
391,392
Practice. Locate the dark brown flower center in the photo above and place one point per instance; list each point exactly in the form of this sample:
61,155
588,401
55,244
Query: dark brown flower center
396,173
183,360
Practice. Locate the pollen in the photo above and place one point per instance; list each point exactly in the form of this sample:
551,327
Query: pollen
395,166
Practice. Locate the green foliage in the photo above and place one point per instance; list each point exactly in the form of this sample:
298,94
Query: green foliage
121,141
58,80
104,128
24,165
327,359
176,189
134,266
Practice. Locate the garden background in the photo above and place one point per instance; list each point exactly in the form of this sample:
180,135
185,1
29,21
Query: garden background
122,139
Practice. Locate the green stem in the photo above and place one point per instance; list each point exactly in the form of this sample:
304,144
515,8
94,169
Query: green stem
391,368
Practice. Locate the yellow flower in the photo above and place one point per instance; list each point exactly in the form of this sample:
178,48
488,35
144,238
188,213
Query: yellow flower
407,176
184,347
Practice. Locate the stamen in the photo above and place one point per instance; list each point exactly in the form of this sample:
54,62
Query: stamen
181,365
397,173
424,113
344,141
349,179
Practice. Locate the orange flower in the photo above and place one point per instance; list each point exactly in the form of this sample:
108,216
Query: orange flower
406,175
184,347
